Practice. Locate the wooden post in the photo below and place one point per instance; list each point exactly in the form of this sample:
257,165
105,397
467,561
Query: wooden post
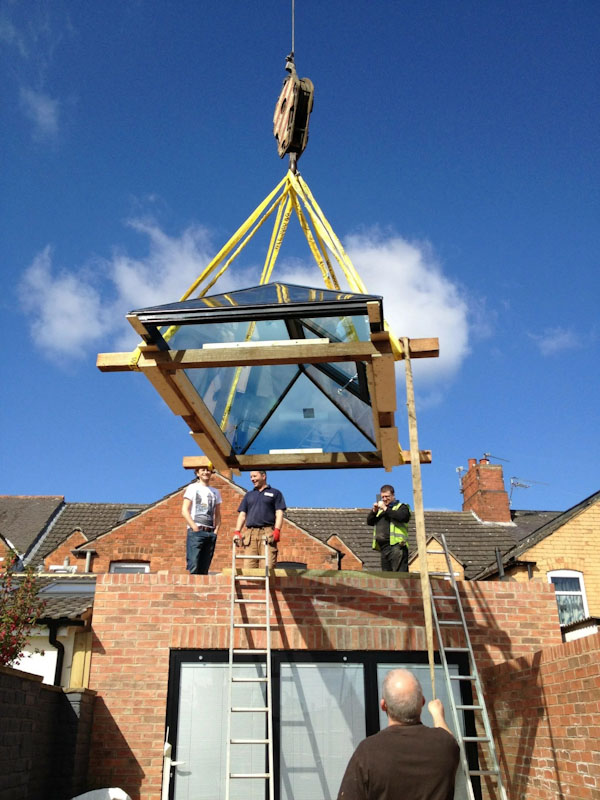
415,468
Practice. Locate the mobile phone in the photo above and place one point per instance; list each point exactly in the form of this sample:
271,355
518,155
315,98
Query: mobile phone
377,498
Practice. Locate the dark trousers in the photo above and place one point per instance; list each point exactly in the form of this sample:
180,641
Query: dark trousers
199,549
394,558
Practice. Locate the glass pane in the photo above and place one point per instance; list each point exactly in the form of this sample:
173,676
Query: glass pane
307,419
338,329
252,391
195,336
570,608
322,722
202,733
421,671
359,411
566,584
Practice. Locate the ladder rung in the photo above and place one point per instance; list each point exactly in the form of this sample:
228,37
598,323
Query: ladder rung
436,552
241,600
262,775
457,649
440,574
254,557
249,680
469,708
449,622
443,596
250,577
244,709
247,651
249,625
493,773
475,738
249,741
462,677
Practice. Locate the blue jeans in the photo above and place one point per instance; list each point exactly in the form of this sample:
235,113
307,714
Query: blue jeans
199,549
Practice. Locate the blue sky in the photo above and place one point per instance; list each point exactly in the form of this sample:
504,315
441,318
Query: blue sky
453,147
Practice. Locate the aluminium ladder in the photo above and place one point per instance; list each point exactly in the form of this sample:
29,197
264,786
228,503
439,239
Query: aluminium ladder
443,621
237,660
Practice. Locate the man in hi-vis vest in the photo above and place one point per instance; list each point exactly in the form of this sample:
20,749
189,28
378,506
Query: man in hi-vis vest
390,533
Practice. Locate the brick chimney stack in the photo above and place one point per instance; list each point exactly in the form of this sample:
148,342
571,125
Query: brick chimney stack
483,491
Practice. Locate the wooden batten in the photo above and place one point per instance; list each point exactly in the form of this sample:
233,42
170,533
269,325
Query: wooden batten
114,362
202,415
345,460
424,457
311,352
167,391
384,376
211,451
390,449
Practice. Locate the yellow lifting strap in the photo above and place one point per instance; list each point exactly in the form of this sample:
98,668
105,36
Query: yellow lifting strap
291,194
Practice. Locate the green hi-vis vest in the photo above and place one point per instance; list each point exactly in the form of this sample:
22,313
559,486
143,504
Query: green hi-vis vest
398,533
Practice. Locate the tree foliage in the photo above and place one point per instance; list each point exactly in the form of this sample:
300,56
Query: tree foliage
20,607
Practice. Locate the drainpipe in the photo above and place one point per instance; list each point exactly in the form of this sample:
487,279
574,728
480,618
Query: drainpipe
60,649
499,563
88,560
53,625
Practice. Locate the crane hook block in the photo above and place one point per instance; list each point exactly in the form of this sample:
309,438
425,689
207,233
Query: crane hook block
292,112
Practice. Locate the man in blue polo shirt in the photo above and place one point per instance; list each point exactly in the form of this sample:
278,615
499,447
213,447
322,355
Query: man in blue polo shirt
261,511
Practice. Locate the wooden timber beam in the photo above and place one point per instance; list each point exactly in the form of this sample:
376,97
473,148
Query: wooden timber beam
311,352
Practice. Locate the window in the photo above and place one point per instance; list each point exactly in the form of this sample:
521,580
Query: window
570,595
324,704
129,566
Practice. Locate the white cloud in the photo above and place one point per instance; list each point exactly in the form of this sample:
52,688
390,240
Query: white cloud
555,340
66,310
71,312
43,111
418,300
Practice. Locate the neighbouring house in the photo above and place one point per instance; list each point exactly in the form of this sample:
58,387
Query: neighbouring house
159,641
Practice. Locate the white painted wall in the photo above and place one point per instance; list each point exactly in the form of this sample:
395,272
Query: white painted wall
44,663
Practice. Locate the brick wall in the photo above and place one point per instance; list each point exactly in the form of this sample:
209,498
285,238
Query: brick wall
573,546
64,551
546,706
45,738
139,618
158,534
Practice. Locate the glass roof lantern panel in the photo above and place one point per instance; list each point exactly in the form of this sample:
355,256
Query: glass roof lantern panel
301,311
266,408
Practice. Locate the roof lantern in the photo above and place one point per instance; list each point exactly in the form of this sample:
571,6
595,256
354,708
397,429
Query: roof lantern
275,376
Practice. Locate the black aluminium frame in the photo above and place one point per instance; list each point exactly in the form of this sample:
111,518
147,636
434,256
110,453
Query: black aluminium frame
369,660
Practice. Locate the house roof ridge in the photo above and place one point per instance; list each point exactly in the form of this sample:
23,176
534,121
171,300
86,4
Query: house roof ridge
33,496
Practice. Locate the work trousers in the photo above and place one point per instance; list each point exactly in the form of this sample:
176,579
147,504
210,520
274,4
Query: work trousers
199,549
253,544
394,558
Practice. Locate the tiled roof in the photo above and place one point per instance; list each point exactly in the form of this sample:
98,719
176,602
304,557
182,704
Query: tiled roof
24,517
471,541
69,606
541,532
529,521
92,519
